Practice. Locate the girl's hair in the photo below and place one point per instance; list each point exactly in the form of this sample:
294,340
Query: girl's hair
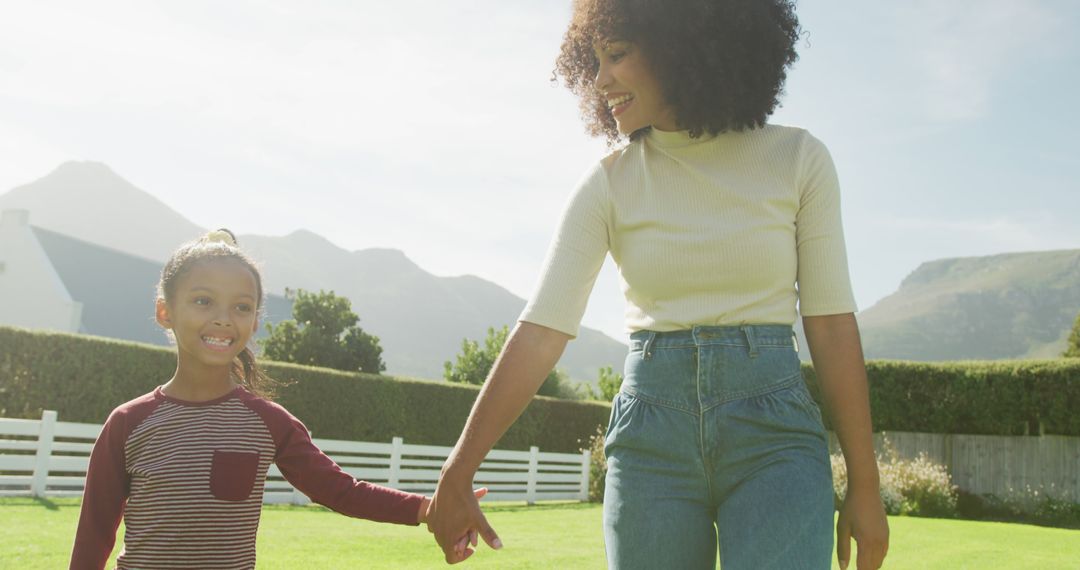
721,63
220,245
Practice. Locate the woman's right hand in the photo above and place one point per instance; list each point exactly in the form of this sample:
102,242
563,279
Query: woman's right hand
862,517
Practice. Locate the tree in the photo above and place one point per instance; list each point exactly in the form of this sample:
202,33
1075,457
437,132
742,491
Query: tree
609,383
475,361
1072,348
323,332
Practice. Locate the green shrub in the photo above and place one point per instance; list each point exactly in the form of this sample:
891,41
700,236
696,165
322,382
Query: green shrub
324,331
1008,397
609,383
1072,345
917,487
83,378
474,363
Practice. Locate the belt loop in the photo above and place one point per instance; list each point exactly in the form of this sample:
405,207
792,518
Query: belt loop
748,330
646,349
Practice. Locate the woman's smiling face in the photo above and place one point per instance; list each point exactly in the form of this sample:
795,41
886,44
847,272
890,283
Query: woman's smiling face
632,91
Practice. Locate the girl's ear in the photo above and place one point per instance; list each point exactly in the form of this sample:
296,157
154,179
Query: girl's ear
161,313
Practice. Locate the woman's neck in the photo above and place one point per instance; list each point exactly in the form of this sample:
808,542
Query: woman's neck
195,383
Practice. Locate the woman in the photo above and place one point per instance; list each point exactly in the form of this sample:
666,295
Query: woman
719,223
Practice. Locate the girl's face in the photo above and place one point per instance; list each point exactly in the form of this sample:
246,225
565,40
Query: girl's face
632,91
213,312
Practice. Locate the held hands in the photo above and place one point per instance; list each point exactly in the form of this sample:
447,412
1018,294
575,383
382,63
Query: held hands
862,517
422,515
454,517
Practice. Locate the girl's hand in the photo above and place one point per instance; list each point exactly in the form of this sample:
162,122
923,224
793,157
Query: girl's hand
862,517
422,516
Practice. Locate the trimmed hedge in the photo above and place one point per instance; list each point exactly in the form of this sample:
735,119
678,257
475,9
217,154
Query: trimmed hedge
83,378
1000,397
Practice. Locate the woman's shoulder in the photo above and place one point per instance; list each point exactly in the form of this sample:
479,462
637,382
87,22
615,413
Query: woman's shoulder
799,136
796,145
615,156
624,159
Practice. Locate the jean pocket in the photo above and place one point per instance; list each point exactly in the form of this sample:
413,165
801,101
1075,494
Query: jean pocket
802,394
232,474
621,411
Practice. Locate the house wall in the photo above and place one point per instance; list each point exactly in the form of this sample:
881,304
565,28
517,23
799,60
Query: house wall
31,293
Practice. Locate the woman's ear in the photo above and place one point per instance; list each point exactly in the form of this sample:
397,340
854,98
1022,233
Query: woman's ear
161,313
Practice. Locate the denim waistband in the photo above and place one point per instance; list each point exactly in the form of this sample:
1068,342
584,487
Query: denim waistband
749,336
696,369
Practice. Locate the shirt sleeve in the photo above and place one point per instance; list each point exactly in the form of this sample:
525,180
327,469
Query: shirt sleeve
823,281
104,495
308,469
574,258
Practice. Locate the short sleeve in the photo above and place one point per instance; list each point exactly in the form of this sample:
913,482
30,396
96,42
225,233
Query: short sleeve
574,258
823,280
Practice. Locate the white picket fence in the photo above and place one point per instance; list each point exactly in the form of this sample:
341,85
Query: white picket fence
49,458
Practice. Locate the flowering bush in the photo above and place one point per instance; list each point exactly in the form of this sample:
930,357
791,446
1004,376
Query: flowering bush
917,487
597,465
1044,505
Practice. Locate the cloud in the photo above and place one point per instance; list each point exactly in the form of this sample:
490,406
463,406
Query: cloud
960,49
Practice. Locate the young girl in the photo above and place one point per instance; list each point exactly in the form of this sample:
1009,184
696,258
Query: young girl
719,223
185,464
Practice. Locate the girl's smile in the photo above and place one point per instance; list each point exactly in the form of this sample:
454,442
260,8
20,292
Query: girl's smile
218,343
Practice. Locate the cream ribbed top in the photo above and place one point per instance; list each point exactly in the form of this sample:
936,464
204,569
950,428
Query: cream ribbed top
721,230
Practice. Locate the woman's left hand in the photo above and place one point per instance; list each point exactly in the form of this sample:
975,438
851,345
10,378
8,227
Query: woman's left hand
862,517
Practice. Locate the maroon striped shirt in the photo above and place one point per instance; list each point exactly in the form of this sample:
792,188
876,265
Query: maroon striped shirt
188,477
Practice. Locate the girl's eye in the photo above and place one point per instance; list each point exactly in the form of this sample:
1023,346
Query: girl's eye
202,301
616,56
244,308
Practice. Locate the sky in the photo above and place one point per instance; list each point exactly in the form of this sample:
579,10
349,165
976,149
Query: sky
434,127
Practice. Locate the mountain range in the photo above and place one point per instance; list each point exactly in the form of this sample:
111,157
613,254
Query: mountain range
1013,305
420,318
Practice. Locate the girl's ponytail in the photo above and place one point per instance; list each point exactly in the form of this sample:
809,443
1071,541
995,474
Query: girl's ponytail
250,375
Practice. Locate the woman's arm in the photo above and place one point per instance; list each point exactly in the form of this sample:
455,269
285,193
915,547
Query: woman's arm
530,353
838,361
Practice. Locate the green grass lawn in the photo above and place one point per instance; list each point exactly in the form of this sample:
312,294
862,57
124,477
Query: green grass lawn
38,534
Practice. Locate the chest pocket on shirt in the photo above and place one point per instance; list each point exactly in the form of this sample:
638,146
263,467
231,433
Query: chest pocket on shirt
232,474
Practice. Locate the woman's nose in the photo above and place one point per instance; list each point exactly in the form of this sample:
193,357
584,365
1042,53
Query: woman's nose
602,79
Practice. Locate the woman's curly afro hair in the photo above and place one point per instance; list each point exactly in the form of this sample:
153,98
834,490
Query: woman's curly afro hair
721,63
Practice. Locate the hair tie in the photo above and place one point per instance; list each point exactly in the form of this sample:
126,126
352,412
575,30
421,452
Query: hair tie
221,235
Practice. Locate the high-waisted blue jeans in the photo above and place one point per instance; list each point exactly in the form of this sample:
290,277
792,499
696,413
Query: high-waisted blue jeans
715,444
